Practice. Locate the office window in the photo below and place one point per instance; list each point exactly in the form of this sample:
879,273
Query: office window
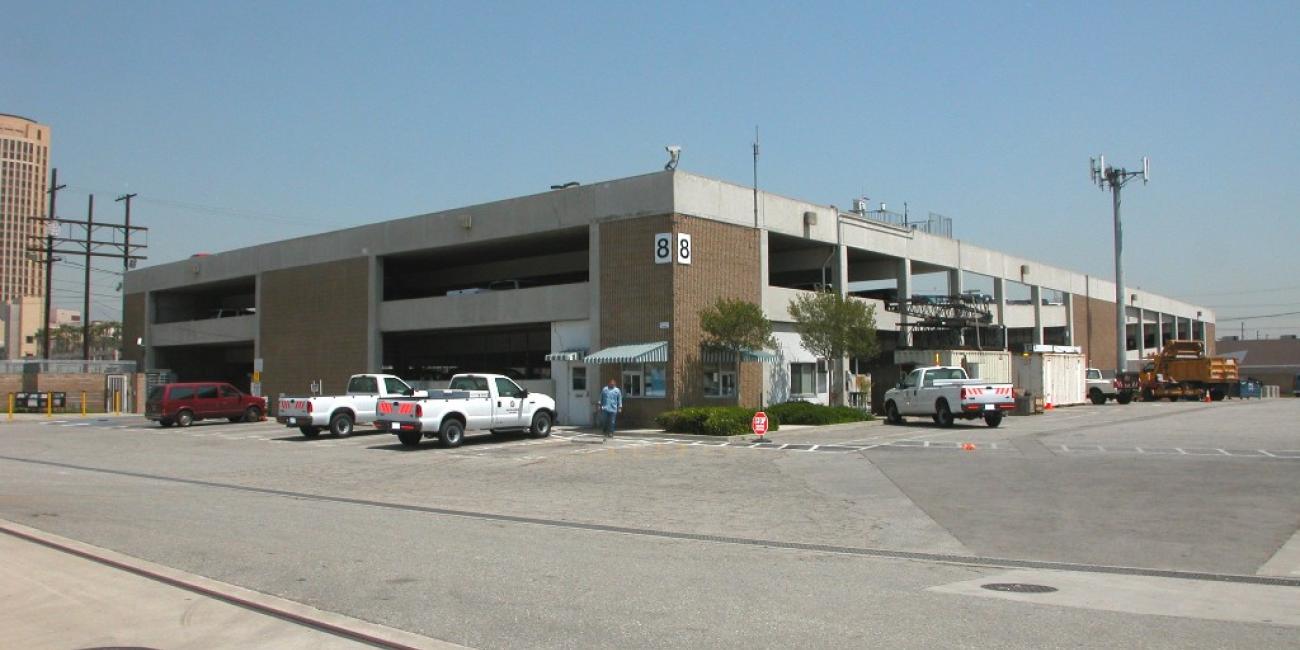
578,379
807,379
719,381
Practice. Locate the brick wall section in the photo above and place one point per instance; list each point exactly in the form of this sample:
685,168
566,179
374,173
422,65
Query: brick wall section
133,315
73,385
725,264
1094,330
313,326
637,295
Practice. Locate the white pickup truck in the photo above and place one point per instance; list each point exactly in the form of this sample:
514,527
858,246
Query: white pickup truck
945,393
470,402
341,413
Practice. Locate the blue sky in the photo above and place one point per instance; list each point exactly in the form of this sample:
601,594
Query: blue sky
241,123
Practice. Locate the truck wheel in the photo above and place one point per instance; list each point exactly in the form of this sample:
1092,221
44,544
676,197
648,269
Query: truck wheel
1148,395
541,425
184,419
409,438
1097,396
309,432
451,433
1124,398
341,425
891,414
944,414
1217,394
252,414
993,420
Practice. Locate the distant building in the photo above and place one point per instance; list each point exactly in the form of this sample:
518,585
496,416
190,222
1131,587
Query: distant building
24,185
22,321
1274,362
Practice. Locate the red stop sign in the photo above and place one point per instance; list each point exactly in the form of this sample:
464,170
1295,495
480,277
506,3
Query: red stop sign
759,423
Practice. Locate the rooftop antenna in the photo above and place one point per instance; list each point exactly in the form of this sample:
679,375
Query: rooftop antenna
1114,179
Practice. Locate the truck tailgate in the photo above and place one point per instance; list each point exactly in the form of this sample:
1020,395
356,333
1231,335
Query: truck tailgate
987,397
294,407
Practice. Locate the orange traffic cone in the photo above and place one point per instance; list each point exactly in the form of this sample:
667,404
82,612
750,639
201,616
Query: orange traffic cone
1048,406
968,446
1206,396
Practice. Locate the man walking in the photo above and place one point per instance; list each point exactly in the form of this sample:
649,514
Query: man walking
611,404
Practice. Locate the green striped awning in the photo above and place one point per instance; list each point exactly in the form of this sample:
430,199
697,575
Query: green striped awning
718,355
575,354
635,353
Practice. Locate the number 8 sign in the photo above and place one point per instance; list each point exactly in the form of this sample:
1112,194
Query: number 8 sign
664,248
666,252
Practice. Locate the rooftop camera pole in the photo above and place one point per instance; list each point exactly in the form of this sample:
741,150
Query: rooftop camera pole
1111,178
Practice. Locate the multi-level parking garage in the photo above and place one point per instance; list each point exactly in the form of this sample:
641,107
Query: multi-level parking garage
568,289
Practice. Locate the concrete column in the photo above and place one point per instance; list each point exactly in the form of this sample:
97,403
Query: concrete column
1000,299
1036,298
955,289
1141,333
1176,328
1069,318
840,270
904,294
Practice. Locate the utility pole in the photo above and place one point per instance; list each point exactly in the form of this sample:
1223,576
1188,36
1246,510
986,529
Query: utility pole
126,244
85,309
49,260
1114,179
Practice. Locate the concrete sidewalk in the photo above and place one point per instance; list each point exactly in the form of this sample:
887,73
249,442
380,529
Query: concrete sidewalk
60,593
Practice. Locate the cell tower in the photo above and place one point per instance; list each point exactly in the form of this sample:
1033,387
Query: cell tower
1114,179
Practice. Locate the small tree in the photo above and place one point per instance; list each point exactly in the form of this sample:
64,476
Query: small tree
736,326
832,326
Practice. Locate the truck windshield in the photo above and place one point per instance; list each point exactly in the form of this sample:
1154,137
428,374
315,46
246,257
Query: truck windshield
395,386
946,373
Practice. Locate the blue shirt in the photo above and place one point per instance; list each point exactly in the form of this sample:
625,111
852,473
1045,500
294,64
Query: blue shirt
611,399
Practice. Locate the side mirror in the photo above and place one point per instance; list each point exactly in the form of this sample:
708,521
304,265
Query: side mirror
523,393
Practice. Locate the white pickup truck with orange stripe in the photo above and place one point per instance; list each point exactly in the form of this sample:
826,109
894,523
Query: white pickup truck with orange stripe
341,412
945,393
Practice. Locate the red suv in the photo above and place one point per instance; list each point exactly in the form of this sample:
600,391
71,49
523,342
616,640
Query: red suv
182,404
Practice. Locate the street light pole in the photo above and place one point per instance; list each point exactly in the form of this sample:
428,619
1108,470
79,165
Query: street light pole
1114,179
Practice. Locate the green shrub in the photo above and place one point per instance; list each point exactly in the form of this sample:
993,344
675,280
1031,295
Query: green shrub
815,414
712,420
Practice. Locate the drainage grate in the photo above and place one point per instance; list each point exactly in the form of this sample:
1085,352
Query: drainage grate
1018,587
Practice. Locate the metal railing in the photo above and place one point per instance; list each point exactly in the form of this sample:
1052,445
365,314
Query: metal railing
49,366
933,224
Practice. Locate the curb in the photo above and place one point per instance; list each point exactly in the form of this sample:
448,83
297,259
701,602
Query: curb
287,610
799,429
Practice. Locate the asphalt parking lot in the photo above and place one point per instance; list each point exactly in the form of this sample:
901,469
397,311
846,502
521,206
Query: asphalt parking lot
1195,493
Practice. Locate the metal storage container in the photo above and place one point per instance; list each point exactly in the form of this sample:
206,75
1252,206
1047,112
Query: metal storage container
993,365
1058,378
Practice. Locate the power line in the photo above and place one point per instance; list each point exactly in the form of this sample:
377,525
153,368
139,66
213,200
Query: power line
1288,313
238,213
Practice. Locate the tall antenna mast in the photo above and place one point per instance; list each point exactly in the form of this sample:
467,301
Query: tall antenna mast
755,175
1114,179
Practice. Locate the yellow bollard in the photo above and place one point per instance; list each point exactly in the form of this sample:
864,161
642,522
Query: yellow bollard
83,403
49,405
117,402
11,406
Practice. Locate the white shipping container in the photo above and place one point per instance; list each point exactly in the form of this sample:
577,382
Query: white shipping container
1058,378
993,365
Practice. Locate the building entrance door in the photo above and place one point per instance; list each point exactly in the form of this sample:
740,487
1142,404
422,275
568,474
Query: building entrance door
575,402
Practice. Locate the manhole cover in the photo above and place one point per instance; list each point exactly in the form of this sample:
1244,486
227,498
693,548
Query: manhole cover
1019,587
